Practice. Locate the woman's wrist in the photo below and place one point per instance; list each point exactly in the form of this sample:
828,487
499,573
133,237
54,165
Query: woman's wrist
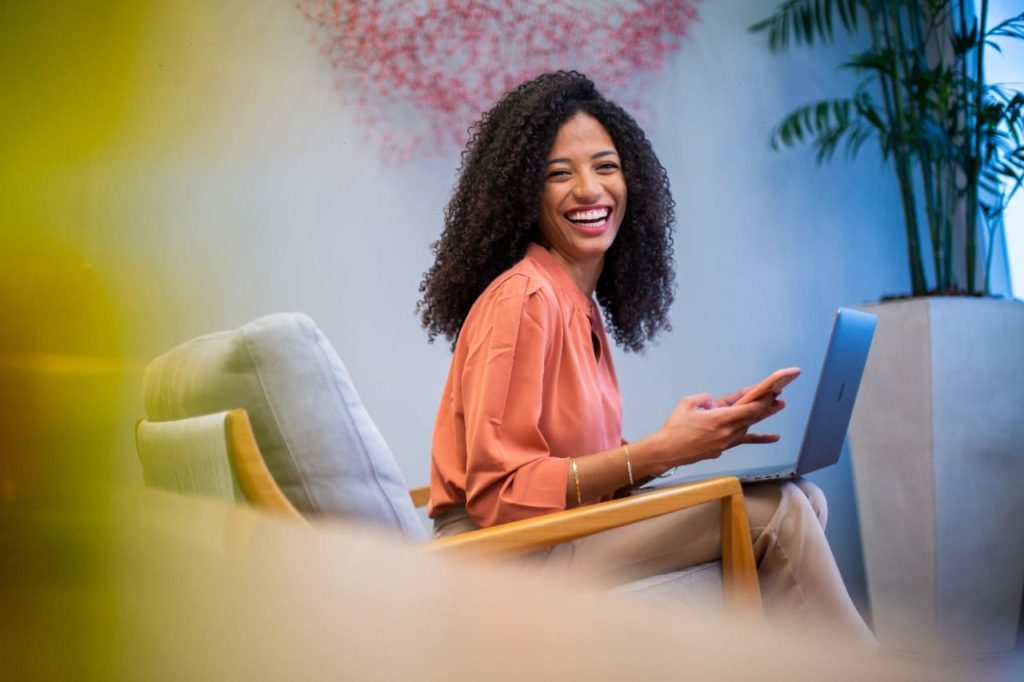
650,456
619,470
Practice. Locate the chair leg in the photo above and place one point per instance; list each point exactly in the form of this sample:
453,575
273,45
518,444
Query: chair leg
739,573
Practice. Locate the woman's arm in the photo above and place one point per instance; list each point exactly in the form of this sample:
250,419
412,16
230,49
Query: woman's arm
697,429
498,393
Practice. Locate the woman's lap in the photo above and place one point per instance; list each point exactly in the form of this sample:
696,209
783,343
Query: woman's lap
666,543
798,575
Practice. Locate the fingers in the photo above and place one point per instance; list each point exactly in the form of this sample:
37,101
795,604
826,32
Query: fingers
704,433
759,438
727,400
698,400
775,408
750,413
765,406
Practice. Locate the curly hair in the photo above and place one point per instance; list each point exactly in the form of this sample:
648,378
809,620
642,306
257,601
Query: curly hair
494,212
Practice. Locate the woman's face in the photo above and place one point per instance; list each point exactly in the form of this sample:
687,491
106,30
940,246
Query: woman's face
584,195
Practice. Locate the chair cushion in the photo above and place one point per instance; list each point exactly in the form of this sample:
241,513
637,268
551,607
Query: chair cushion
318,441
697,584
188,456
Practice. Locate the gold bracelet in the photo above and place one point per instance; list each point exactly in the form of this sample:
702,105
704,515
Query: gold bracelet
576,477
629,465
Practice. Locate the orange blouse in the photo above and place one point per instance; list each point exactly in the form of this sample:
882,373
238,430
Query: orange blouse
531,384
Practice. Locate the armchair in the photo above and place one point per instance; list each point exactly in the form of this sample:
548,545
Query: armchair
311,450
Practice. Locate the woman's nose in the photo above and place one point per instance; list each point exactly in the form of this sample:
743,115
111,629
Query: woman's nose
587,189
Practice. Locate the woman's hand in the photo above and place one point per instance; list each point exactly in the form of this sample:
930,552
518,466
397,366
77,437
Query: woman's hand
699,428
728,400
702,428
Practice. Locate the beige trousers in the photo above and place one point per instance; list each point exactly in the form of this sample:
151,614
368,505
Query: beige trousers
798,574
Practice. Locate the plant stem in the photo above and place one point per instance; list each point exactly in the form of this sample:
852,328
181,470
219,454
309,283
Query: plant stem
935,204
901,157
949,211
972,177
991,225
931,168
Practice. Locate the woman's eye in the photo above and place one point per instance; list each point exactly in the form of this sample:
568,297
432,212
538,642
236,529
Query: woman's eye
561,173
608,166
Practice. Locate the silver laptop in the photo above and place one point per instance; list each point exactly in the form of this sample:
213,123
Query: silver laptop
845,358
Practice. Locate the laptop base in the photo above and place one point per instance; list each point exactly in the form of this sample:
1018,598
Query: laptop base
773,472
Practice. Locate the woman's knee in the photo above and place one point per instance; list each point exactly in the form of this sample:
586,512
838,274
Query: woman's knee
800,520
817,499
786,506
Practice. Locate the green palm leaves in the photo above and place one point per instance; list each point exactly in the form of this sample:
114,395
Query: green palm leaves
956,141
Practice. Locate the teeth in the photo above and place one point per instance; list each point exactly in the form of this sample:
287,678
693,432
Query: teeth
593,214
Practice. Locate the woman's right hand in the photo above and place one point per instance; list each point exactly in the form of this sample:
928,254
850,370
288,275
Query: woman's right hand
699,428
702,428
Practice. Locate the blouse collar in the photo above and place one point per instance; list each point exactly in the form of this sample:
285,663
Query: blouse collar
562,280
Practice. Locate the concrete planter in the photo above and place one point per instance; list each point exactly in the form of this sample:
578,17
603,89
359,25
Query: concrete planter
937,442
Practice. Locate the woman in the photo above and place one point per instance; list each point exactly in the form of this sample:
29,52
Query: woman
560,199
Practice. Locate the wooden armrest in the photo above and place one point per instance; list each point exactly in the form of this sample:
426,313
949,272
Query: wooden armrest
530,535
739,574
254,478
420,496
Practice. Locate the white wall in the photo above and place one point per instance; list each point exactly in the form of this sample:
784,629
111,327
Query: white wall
236,185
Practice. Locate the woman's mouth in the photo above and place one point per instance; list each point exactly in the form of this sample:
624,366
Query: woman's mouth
590,220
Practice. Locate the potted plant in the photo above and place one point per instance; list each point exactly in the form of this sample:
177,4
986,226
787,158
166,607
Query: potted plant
938,434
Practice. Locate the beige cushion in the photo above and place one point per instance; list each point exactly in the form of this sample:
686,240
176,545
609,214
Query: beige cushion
188,456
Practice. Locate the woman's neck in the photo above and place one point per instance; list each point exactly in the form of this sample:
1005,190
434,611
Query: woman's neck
584,274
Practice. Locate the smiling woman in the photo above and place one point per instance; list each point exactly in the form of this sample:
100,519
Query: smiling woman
530,421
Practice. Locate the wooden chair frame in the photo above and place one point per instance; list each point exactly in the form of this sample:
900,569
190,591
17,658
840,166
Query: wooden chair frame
739,574
254,478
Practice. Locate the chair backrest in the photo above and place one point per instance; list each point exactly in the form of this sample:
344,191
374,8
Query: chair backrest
319,443
213,455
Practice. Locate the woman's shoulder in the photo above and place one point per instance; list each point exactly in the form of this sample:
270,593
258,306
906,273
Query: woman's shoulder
525,285
523,279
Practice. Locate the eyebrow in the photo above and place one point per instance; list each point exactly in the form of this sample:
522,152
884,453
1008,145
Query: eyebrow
598,155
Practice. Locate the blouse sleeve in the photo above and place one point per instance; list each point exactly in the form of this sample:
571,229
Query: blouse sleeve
510,472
